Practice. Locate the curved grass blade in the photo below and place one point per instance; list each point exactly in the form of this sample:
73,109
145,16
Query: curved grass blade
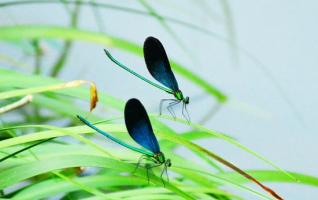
70,181
198,148
43,134
119,8
33,32
67,46
12,79
220,179
38,55
76,183
194,126
191,136
273,176
230,140
24,149
57,150
83,187
221,97
71,84
174,139
123,156
30,169
53,132
17,104
240,171
86,188
54,186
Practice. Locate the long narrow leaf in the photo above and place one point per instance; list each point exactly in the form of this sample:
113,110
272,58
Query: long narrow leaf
33,32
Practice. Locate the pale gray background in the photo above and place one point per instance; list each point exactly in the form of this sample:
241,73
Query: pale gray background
281,34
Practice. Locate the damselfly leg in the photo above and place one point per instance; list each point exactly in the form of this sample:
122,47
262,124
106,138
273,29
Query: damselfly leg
161,104
169,108
143,157
171,104
148,167
185,112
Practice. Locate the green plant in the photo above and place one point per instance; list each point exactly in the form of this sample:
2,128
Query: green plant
53,168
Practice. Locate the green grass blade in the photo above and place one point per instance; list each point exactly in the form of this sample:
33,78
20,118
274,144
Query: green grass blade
30,169
24,149
34,90
55,186
203,174
67,46
274,176
33,32
231,141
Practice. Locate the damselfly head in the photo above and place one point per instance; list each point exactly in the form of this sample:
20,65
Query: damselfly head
168,163
186,100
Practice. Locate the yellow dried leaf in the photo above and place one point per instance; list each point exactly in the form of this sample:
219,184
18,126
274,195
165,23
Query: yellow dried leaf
94,96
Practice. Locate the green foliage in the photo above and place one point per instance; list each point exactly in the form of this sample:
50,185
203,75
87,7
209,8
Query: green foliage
57,167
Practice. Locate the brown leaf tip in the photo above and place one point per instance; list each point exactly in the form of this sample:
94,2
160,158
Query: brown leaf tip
94,96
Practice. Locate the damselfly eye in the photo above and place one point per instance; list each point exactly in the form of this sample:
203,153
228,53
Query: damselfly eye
187,100
168,163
